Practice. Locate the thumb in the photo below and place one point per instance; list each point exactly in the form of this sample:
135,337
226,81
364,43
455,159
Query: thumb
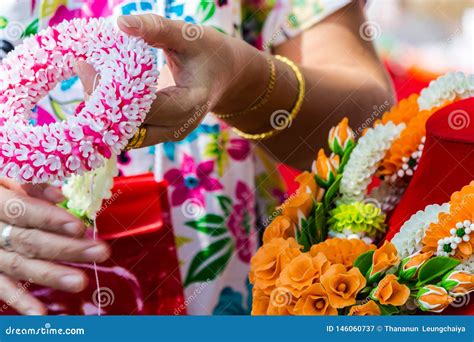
157,31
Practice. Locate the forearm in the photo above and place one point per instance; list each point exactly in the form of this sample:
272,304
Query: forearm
332,92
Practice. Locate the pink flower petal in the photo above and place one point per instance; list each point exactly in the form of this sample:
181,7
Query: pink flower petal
239,149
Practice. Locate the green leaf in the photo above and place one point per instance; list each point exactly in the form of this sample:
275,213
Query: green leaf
31,29
345,158
364,262
226,204
388,310
208,8
303,235
210,262
332,192
320,232
209,224
435,268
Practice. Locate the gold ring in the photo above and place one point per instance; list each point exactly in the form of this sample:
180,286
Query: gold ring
138,139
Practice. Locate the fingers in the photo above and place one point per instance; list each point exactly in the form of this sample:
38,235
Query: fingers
88,76
23,211
157,31
44,191
36,244
18,298
42,272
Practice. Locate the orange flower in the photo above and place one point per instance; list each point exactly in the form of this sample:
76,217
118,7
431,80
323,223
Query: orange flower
390,292
403,111
324,170
301,272
453,225
308,184
368,309
458,283
433,298
260,303
314,302
341,137
281,227
341,251
342,286
412,264
270,259
383,258
297,205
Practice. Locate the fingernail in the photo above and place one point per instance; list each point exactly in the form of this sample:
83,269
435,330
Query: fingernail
72,228
54,194
72,282
95,253
131,21
33,312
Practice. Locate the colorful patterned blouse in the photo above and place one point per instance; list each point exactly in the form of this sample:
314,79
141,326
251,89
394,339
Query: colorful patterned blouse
218,181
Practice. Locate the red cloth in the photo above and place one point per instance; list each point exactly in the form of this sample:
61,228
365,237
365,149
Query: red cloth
447,164
142,276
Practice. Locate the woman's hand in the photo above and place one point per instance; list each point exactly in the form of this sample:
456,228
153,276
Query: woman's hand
41,235
206,71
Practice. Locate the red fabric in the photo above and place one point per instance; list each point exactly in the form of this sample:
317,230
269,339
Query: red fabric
142,276
447,164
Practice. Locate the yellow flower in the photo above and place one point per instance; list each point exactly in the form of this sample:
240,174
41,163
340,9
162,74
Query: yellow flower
341,137
368,309
324,170
314,302
412,264
433,298
458,283
390,292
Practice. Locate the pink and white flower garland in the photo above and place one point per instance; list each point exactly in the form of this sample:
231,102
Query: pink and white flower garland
101,127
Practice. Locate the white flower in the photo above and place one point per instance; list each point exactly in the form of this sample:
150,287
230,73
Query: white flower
85,193
408,239
467,265
453,85
364,160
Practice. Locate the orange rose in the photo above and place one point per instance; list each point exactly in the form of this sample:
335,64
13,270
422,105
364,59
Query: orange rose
282,302
314,302
390,292
301,272
324,170
383,258
368,309
298,205
270,259
341,251
342,286
458,283
281,227
341,137
412,264
433,298
308,184
260,303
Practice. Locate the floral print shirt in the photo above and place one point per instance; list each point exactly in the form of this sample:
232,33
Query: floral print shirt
218,181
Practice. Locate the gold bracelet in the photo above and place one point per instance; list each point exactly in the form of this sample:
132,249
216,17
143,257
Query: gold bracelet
289,116
261,100
138,139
